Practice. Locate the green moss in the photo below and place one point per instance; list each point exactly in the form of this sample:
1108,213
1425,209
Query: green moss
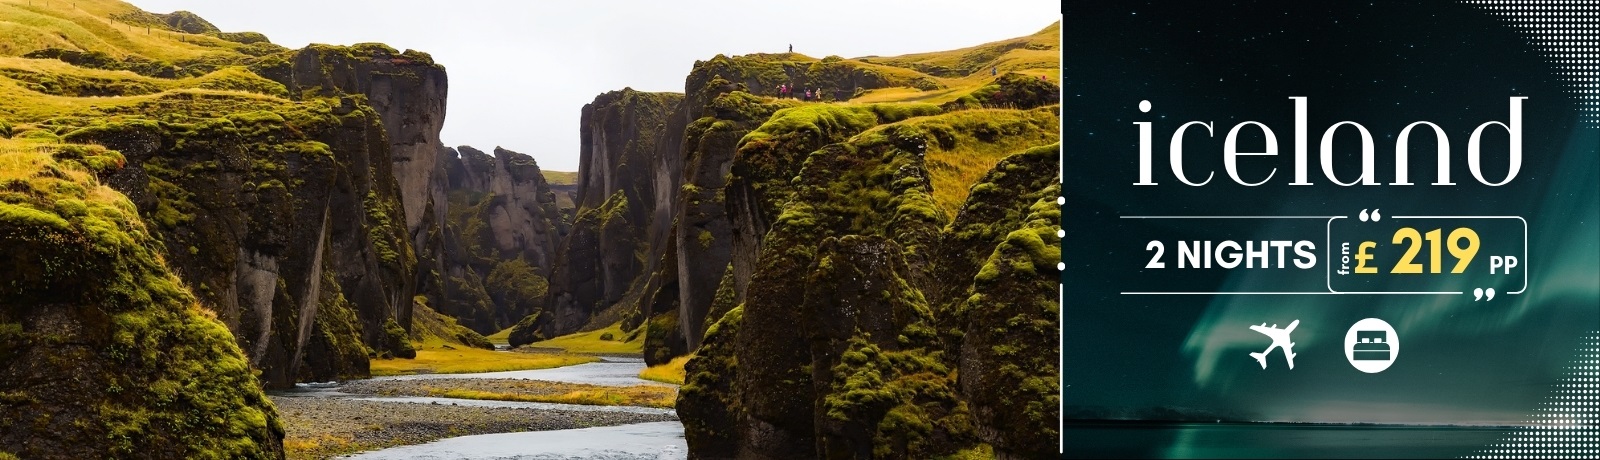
615,209
825,119
516,285
432,329
706,238
383,228
143,336
527,330
395,341
707,403
978,452
908,401
1012,90
243,37
659,332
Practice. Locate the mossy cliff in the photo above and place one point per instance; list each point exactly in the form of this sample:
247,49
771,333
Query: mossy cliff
850,338
104,353
498,236
667,240
288,188
627,178
891,286
406,89
261,203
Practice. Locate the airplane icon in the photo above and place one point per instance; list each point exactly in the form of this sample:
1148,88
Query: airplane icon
1280,338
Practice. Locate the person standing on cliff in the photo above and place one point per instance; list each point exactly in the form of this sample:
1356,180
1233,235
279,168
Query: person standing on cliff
780,90
791,47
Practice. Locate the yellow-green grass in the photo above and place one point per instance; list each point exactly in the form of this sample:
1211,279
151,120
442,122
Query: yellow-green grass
560,177
1036,52
321,446
472,360
18,103
982,451
500,338
85,25
1033,55
569,393
590,342
953,171
671,372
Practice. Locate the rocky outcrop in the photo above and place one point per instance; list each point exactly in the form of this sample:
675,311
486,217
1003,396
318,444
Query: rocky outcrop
1005,303
296,222
849,339
287,222
497,232
671,162
104,352
1012,90
406,89
626,181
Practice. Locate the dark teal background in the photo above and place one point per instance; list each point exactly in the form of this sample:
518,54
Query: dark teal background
1383,65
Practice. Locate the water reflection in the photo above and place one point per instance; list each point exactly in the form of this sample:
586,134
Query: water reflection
640,441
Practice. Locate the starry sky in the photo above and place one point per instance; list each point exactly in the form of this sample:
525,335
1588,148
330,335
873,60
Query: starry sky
1383,65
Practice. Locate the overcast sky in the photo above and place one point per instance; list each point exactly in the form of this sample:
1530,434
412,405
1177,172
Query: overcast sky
521,71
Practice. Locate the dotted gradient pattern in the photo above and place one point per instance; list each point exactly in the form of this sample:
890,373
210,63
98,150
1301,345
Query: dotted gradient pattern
1567,424
1567,32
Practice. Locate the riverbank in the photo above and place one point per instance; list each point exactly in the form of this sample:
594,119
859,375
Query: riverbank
659,396
326,427
456,360
328,420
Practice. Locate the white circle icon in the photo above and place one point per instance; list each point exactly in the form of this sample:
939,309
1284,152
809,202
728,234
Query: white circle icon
1371,345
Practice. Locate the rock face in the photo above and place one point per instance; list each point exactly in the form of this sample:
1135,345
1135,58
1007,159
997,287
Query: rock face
408,92
104,353
626,183
855,280
498,234
292,219
287,222
870,327
662,246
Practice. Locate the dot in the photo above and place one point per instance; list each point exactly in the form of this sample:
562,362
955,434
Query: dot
1061,200
1061,233
1061,265
1144,106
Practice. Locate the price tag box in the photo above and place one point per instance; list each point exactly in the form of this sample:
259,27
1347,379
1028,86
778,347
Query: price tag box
1427,254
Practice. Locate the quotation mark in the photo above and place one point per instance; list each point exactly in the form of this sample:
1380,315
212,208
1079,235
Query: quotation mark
1482,294
1373,217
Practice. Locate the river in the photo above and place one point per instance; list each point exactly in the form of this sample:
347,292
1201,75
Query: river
639,441
609,371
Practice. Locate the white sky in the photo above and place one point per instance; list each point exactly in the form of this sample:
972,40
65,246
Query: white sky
521,71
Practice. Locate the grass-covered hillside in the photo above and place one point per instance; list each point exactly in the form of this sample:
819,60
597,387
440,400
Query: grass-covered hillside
964,70
176,187
238,153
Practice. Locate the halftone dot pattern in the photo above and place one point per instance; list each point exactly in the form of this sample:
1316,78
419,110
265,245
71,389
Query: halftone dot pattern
1567,32
1567,424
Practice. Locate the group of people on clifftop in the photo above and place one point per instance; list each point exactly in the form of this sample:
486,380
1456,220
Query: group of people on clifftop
786,91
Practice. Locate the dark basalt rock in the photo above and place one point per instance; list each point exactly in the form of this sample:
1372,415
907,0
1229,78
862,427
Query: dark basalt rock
104,353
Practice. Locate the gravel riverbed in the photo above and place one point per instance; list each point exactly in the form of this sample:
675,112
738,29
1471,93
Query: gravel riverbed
330,423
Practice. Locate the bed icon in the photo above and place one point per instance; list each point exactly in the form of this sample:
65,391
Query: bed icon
1372,346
